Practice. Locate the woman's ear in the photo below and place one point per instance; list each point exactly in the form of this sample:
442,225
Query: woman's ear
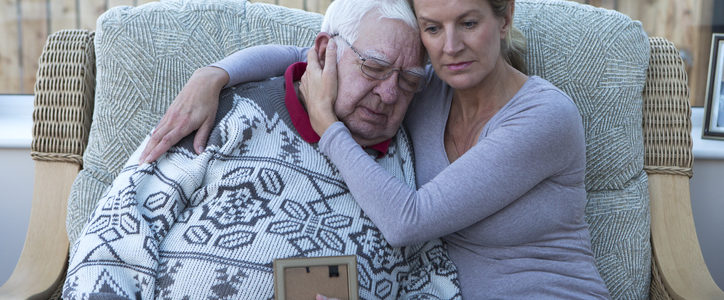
320,46
508,19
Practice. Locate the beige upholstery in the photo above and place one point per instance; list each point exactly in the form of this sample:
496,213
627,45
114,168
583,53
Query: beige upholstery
63,112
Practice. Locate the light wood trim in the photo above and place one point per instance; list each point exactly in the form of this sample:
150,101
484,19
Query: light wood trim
42,263
674,242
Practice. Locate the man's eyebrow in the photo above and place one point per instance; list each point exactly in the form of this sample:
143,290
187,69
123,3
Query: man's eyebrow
377,55
371,53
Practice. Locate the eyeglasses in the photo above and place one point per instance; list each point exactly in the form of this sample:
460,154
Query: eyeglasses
376,69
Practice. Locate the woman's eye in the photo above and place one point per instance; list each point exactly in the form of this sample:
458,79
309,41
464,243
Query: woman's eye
431,29
469,24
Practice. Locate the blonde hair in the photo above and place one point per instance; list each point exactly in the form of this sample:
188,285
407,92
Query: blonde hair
513,47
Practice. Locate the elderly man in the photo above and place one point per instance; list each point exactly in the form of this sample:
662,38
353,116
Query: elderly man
209,225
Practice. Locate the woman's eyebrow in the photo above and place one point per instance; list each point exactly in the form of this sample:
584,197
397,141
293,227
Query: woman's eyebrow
463,15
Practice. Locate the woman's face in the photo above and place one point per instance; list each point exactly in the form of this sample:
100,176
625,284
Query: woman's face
462,38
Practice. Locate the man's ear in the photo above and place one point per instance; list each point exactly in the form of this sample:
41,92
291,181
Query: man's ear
320,45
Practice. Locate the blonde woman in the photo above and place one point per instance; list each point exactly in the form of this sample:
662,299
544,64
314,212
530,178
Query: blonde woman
499,155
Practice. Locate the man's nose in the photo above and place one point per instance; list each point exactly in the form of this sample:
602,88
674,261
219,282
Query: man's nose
388,89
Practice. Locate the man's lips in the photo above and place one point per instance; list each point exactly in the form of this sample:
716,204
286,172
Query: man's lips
373,115
458,66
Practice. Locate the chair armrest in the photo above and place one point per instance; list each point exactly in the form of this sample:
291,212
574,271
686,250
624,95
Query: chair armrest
678,267
42,263
64,91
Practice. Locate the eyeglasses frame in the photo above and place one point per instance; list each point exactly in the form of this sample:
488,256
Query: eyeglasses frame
387,74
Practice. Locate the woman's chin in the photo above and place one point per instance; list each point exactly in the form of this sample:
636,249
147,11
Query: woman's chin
461,82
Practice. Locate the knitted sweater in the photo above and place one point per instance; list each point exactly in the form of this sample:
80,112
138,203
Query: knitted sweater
209,226
511,209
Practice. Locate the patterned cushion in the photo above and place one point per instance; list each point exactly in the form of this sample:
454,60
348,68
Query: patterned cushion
144,56
600,57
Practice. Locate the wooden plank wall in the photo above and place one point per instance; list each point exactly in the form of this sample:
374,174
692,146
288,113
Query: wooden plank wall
25,24
9,59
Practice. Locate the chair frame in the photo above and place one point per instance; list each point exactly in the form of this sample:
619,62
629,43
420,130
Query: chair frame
63,110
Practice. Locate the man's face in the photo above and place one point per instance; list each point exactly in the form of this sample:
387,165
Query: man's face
374,109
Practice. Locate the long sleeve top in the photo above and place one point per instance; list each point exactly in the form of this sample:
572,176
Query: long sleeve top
511,209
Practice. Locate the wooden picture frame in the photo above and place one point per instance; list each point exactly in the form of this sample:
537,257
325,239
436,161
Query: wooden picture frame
305,277
713,127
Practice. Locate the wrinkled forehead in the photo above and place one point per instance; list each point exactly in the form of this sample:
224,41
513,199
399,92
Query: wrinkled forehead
389,40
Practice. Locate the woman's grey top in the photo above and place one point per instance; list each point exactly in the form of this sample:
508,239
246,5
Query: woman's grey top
511,209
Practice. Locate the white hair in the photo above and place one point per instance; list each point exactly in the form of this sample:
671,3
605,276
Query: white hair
343,17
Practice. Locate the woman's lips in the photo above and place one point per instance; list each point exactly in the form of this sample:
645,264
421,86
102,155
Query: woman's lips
458,66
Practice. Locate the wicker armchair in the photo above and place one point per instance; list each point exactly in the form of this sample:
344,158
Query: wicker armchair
64,101
63,109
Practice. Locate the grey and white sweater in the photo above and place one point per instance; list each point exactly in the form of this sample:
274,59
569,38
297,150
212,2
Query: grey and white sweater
209,226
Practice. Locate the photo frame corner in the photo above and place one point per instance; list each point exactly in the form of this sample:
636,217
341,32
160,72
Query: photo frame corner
713,127
280,267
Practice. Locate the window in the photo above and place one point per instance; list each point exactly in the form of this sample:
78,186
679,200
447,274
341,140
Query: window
16,120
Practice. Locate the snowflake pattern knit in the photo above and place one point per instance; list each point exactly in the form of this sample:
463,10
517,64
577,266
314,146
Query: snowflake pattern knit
209,226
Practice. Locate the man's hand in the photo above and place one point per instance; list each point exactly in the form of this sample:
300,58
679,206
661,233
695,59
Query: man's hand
193,108
319,88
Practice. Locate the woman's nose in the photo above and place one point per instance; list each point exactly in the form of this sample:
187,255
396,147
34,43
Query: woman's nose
453,44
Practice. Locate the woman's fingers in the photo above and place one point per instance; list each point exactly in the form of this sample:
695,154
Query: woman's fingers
312,60
163,144
193,108
319,87
171,129
330,65
202,135
161,130
312,79
329,76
